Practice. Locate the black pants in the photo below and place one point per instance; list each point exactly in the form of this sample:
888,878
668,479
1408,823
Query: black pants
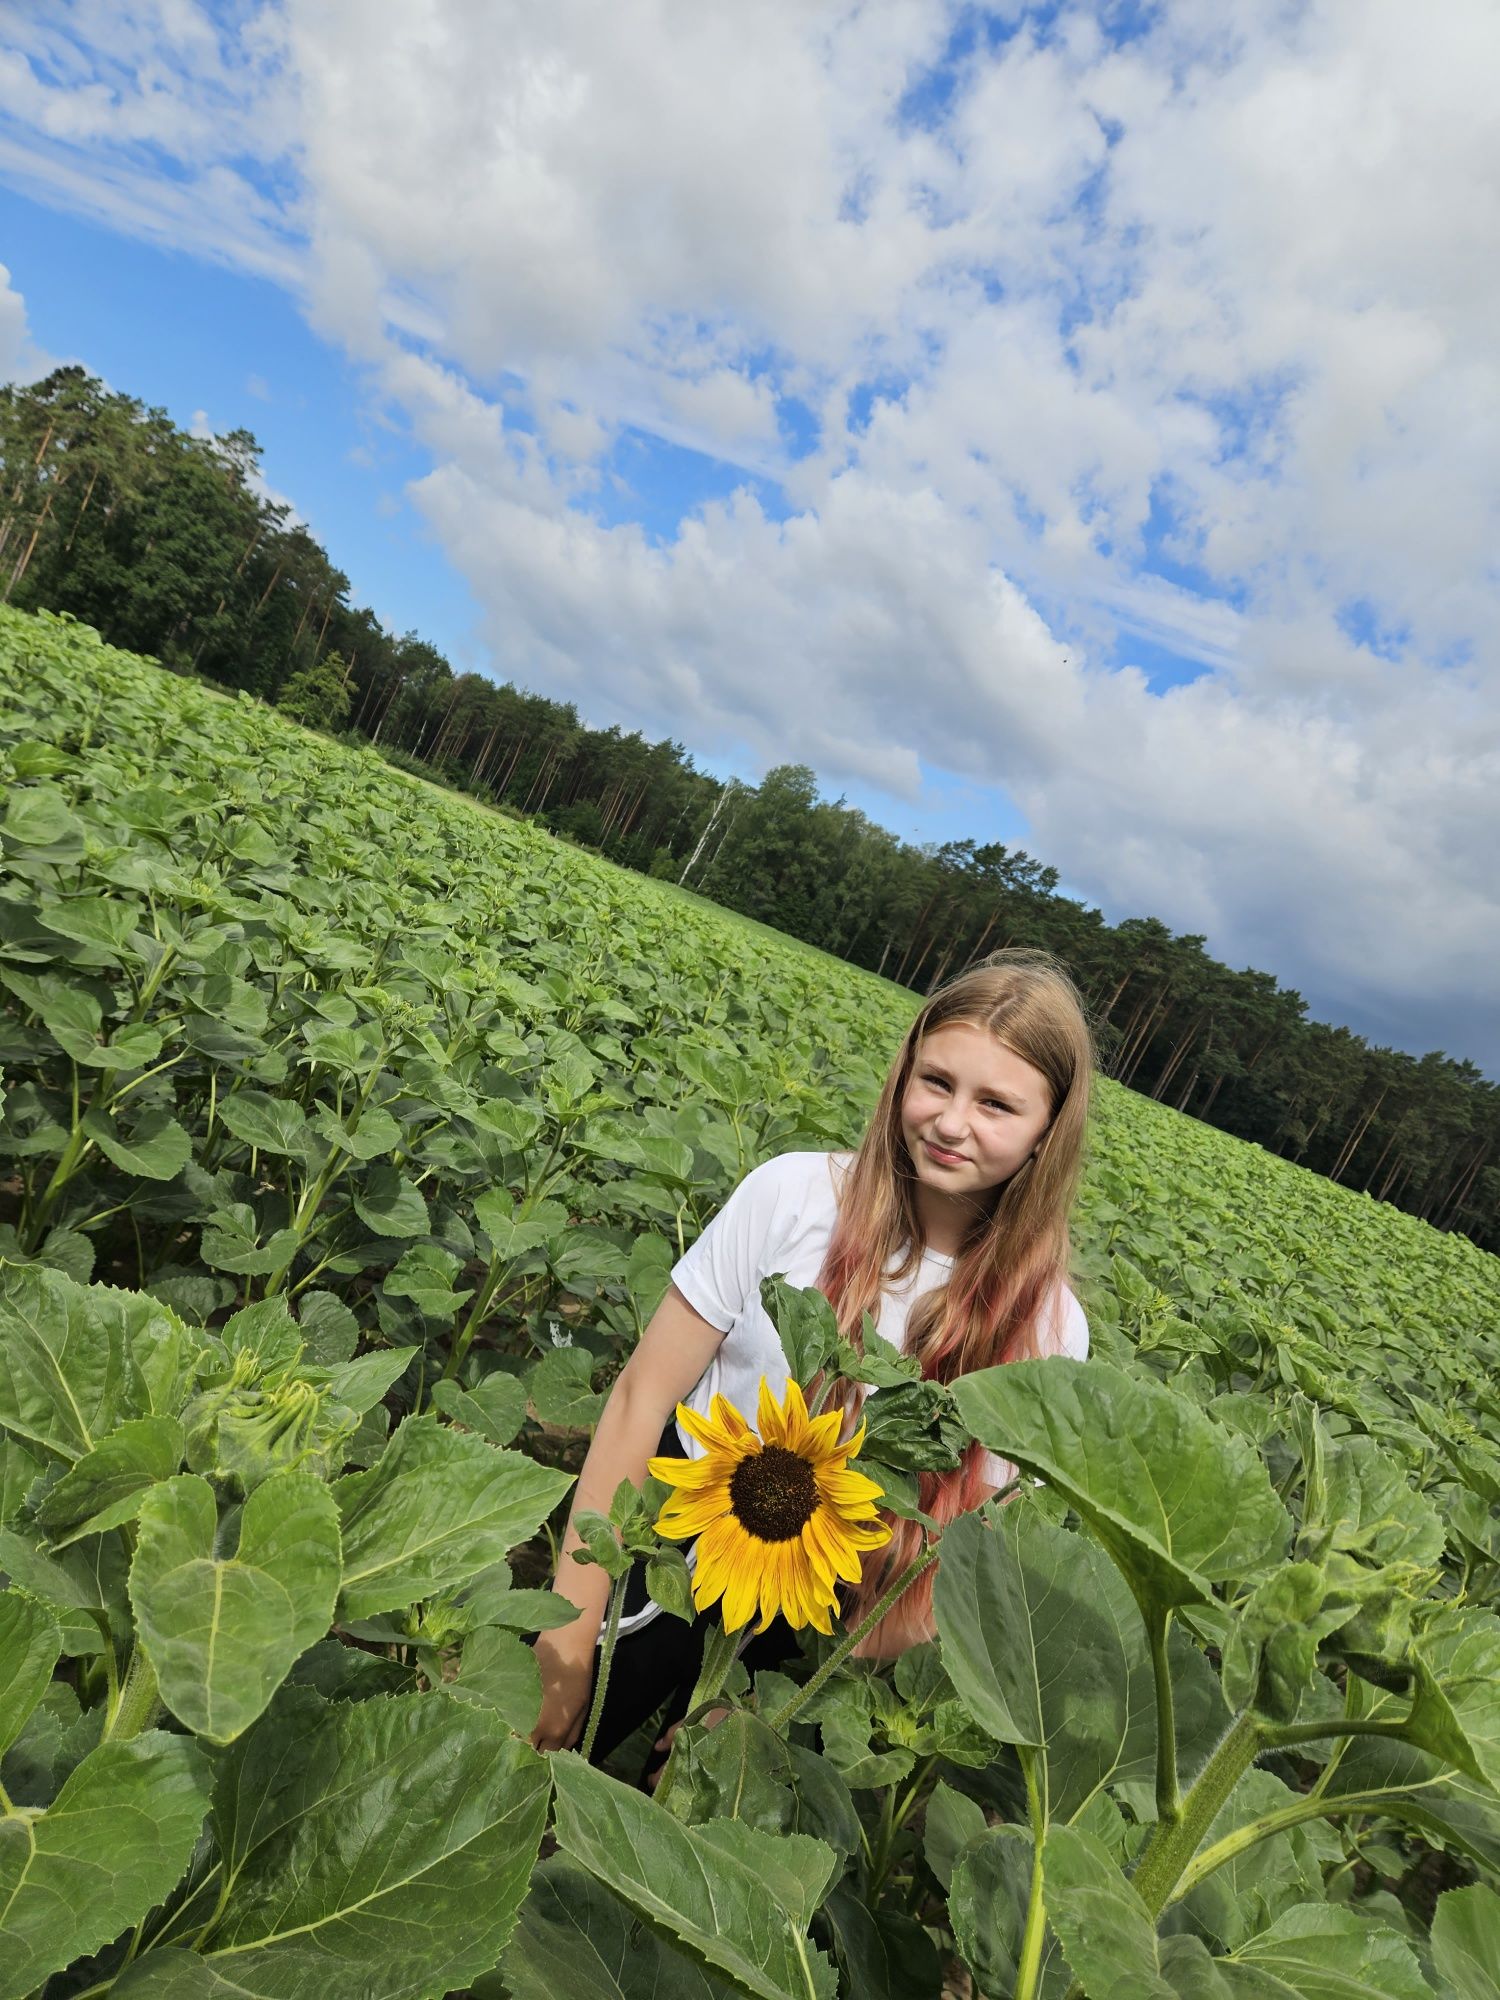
660,1663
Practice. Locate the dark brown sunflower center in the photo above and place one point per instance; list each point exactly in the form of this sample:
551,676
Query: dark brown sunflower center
773,1493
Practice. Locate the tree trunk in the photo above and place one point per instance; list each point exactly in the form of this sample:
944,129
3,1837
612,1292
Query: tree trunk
1209,1105
1179,1053
261,600
1369,1178
1351,1145
1192,1085
83,508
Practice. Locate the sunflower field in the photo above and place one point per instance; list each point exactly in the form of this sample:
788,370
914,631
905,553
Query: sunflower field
348,1134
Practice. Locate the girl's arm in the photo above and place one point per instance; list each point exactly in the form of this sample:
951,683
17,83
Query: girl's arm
673,1352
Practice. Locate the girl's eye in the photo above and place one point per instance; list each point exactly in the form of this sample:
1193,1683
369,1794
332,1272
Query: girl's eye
940,1081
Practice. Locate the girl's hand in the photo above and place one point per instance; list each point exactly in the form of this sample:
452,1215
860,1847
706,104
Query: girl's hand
567,1681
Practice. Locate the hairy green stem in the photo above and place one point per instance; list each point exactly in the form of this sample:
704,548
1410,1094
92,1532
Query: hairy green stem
1310,1807
1029,1963
136,1708
850,1640
606,1661
1287,1735
1168,1797
1173,1844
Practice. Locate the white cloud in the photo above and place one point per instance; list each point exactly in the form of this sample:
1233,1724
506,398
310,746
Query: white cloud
21,360
1220,299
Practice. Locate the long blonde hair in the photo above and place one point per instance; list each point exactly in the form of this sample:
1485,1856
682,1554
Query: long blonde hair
1015,1258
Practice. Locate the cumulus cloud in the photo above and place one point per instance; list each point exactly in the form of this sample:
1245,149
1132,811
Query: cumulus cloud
21,360
1041,350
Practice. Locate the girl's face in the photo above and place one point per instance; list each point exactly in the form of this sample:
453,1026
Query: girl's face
973,1110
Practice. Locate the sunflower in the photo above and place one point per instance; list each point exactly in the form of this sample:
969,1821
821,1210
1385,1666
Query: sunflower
779,1516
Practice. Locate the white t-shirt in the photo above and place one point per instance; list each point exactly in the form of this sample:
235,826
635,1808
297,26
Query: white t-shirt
780,1219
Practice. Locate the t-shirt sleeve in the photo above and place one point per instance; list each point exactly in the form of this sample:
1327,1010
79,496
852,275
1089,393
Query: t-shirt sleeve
1071,1339
720,1274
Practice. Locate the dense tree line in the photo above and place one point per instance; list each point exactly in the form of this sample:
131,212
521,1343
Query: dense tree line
165,542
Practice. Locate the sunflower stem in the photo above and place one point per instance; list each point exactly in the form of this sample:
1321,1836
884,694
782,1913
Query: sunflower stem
915,1568
606,1660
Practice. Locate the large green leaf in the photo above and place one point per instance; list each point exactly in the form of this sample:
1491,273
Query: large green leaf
273,1124
106,1486
104,1853
1466,1942
39,816
156,1147
89,1577
495,1407
1106,1935
987,1899
1420,1790
70,1357
1038,1628
230,1243
574,1937
389,1204
100,921
1319,1951
1455,1713
804,1323
1180,1502
984,1624
885,1954
738,1899
29,1645
221,1633
499,1671
372,1847
740,1769
439,1506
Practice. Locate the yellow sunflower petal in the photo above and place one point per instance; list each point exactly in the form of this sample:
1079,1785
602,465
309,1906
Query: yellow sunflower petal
794,1419
820,1442
729,1418
686,1472
711,1573
712,1434
740,1594
816,1554
768,1416
829,1549
691,1513
846,1490
819,1611
851,1448
787,1577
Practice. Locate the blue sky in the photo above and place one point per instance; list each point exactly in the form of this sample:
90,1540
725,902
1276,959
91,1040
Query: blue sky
193,336
1011,413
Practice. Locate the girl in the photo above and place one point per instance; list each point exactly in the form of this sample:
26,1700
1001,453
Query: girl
949,1226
